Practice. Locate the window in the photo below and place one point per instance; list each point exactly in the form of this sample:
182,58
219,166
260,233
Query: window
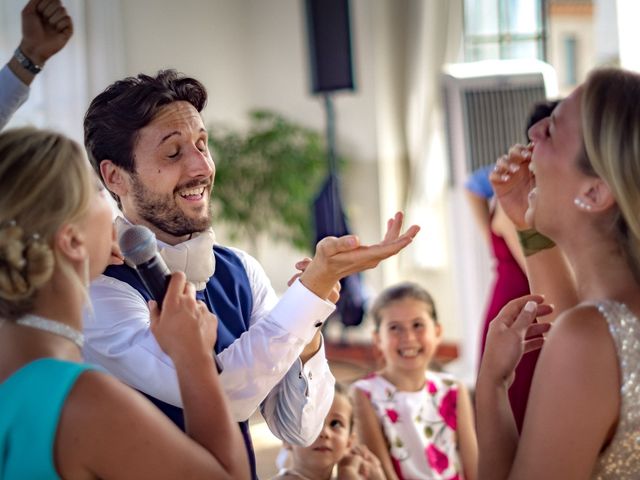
504,29
570,57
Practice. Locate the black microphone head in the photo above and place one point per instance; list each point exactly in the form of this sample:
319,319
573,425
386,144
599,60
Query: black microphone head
138,244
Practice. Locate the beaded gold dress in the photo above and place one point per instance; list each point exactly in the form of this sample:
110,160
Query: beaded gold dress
621,459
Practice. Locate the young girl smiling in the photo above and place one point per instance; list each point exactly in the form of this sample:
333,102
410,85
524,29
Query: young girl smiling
419,423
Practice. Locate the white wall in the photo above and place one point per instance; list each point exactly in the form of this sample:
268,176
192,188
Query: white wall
205,39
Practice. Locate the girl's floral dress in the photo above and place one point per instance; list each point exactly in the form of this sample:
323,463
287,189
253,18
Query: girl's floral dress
420,427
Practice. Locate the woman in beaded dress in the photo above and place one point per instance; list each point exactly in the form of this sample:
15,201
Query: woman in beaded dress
581,420
60,417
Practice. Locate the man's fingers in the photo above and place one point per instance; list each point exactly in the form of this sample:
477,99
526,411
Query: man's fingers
293,279
412,231
30,7
176,285
46,10
394,226
302,264
386,249
189,290
331,246
58,17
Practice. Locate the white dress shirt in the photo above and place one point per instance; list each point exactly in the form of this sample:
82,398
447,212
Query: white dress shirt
13,93
261,368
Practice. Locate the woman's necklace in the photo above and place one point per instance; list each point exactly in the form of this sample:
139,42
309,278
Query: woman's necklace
52,326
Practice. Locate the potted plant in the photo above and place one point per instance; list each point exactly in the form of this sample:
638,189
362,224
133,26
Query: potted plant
267,177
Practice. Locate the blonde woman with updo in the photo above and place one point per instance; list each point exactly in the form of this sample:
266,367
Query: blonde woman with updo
62,418
582,419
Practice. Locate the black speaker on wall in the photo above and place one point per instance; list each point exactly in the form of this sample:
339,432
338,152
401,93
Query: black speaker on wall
329,35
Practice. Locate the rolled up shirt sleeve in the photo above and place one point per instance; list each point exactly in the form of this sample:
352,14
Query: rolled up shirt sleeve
297,406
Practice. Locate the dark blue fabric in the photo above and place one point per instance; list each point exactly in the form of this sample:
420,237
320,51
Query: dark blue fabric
330,220
228,295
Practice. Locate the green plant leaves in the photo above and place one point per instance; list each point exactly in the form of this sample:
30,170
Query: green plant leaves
266,178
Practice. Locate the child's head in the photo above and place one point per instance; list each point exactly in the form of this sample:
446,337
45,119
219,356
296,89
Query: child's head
334,441
407,330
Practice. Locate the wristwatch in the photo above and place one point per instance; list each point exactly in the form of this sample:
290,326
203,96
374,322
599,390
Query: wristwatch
26,62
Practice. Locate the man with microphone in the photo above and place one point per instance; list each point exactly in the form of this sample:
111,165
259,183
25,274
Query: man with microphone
147,140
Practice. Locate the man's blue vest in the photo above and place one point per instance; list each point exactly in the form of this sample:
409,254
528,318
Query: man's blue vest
228,295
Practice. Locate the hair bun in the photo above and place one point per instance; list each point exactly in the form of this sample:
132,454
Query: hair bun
40,262
11,246
23,266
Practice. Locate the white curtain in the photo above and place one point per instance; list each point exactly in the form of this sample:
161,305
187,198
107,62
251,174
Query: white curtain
434,38
94,56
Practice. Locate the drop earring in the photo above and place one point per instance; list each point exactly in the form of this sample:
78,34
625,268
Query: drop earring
581,204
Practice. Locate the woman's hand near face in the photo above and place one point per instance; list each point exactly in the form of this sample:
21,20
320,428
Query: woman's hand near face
512,181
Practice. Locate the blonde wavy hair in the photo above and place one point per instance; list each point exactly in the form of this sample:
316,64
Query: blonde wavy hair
611,132
45,182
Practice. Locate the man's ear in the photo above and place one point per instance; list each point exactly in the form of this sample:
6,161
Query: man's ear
70,241
115,178
596,196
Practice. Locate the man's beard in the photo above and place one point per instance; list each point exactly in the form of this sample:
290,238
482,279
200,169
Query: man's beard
162,211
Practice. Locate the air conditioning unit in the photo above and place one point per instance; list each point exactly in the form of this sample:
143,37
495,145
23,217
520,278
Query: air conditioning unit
486,105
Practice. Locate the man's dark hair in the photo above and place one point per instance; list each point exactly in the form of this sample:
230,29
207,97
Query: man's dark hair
539,111
115,116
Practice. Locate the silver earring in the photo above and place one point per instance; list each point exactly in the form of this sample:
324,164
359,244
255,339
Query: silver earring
581,204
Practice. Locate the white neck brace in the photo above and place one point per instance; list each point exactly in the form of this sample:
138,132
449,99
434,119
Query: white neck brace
194,257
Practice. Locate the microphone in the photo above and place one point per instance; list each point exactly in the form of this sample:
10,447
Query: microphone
139,247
